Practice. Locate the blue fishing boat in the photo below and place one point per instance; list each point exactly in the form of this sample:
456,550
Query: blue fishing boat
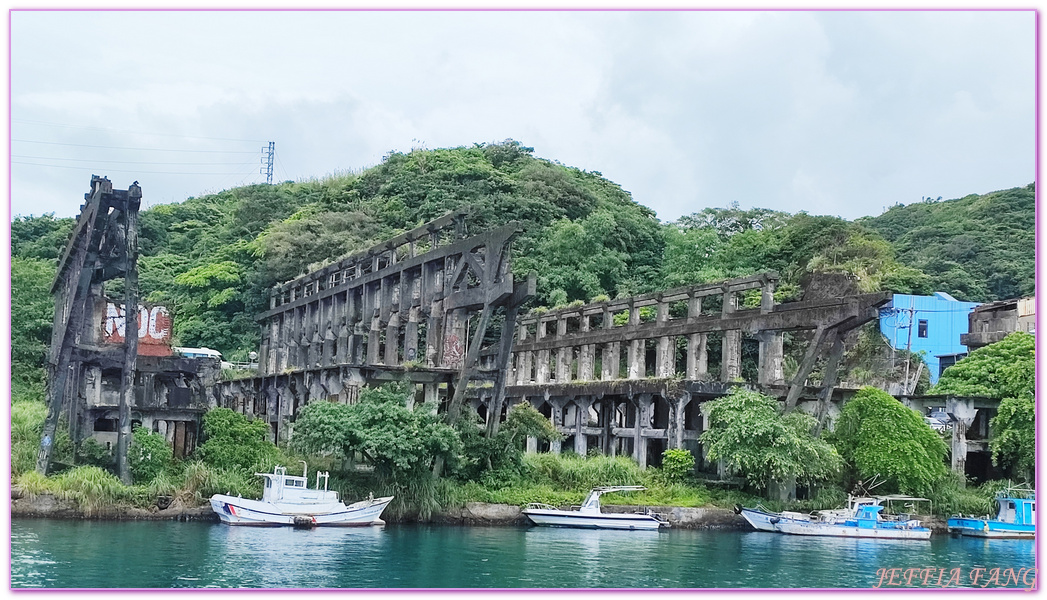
862,518
1016,517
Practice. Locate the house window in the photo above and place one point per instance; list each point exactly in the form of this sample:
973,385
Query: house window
922,328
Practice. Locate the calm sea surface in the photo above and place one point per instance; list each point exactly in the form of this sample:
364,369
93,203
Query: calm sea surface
93,554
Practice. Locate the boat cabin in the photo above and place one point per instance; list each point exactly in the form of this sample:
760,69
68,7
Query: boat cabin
1016,509
290,489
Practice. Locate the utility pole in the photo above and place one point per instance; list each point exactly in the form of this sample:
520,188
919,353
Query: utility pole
267,162
908,345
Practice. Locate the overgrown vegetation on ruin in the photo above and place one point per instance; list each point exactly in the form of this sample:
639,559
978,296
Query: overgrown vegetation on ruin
212,259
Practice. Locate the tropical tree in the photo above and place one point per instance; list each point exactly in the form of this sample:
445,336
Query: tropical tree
879,437
1005,370
749,432
401,443
234,442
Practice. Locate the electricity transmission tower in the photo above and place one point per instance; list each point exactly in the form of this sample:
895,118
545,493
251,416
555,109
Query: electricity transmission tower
267,162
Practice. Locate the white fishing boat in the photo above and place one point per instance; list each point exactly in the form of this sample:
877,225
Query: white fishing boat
287,500
589,516
861,518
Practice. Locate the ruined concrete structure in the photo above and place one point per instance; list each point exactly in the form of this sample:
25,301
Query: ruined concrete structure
104,380
628,376
625,376
990,323
417,307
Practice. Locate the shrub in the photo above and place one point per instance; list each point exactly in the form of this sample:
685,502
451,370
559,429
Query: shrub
677,465
234,442
93,453
148,455
879,436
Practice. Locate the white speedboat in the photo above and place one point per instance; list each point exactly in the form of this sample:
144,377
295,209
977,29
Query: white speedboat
861,518
287,500
588,515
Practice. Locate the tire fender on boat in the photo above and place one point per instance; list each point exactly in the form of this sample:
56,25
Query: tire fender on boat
737,509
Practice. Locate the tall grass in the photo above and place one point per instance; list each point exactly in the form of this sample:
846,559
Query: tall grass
27,421
572,472
90,487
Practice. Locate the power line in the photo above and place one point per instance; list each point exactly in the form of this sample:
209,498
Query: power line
125,171
195,137
130,148
125,162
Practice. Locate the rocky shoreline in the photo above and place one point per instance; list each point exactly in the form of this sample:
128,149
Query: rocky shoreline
472,514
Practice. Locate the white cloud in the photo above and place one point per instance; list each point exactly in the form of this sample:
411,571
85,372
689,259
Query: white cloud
834,112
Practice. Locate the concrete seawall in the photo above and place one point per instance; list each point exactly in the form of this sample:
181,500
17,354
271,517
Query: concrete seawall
472,514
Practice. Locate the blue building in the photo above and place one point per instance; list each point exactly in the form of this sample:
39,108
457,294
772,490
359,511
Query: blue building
932,324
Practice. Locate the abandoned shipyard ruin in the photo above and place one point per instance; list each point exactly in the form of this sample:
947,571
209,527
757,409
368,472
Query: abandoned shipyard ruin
439,307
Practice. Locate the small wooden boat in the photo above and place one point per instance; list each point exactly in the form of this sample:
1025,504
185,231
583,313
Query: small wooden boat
862,518
287,500
588,515
1016,517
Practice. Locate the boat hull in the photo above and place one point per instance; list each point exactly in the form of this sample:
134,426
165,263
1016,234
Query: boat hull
990,529
764,521
760,520
836,530
558,518
239,511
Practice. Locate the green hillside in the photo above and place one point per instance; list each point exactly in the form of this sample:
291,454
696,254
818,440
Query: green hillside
977,248
212,259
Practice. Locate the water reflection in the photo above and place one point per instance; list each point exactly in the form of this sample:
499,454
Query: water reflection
164,555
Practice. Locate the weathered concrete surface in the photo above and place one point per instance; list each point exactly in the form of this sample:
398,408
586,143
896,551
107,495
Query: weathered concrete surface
52,507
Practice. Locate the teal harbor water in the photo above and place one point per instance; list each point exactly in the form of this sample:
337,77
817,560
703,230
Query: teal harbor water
99,554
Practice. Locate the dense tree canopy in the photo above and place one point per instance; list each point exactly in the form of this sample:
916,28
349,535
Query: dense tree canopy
749,432
1004,370
977,248
881,438
232,441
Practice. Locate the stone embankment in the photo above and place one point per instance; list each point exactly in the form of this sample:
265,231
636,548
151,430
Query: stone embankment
479,513
472,513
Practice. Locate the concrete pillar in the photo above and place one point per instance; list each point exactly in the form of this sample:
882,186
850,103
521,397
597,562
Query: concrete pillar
434,333
411,335
392,340
328,347
541,368
532,445
525,367
731,357
636,359
665,357
771,356
374,336
767,297
431,393
676,421
455,342
643,409
697,356
730,301
610,359
563,364
342,343
581,418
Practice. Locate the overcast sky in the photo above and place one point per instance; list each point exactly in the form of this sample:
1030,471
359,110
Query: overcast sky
841,113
